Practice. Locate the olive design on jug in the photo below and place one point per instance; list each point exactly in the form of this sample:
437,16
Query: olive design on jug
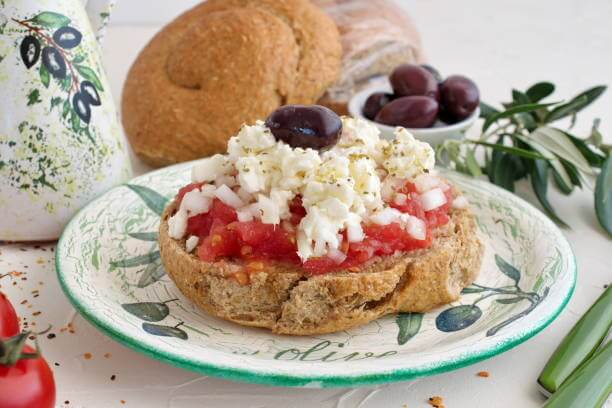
52,41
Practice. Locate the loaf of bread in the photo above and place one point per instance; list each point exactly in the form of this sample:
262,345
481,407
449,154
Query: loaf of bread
376,37
284,299
222,64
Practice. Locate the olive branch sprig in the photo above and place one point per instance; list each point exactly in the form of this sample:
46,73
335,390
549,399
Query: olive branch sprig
522,141
53,41
49,41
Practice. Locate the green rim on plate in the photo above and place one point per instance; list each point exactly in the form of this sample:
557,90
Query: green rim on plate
528,277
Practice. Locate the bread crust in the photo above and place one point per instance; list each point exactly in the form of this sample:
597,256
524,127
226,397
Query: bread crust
284,299
220,65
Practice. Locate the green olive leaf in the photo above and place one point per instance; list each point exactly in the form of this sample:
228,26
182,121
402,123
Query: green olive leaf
65,109
144,236
528,107
65,83
75,121
519,98
155,201
603,195
90,75
503,170
50,19
557,142
487,110
472,164
149,311
165,331
539,183
409,325
471,289
136,260
594,158
553,160
507,269
539,91
44,75
560,183
509,301
529,154
579,102
78,58
151,274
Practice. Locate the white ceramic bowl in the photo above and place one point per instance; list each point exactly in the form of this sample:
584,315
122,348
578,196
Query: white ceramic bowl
433,135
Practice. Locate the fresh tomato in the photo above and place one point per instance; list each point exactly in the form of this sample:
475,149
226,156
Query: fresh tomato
9,323
221,235
27,382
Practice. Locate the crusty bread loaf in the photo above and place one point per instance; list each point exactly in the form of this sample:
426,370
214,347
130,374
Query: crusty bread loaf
377,36
286,300
220,65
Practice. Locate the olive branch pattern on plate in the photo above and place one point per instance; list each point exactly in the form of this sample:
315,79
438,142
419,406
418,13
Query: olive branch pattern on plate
109,265
53,44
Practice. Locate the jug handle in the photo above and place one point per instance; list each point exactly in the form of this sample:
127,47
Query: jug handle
99,12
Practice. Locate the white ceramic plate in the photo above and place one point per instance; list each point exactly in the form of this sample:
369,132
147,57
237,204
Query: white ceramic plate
108,265
434,135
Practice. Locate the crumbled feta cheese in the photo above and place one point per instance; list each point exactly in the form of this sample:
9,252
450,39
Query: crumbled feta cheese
341,187
209,169
425,182
195,203
229,181
281,199
244,215
354,231
406,157
208,190
268,209
414,226
177,224
386,216
432,199
228,197
191,243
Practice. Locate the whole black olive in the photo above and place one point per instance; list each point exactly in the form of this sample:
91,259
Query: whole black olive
80,103
413,80
304,126
410,112
67,37
30,50
90,92
54,62
459,97
374,104
436,74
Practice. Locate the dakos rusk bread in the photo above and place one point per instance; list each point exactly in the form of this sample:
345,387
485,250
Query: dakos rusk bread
287,300
221,64
312,223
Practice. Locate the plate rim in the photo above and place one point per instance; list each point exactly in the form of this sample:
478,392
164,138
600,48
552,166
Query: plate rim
255,376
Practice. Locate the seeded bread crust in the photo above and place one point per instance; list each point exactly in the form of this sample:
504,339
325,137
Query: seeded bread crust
220,65
284,299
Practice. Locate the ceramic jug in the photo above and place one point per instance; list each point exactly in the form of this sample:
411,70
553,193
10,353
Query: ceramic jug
60,141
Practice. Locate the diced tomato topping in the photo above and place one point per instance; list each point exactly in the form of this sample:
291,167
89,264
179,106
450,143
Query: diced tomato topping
222,235
219,214
321,265
221,242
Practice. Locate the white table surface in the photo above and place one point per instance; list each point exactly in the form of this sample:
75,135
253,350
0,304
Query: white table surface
501,44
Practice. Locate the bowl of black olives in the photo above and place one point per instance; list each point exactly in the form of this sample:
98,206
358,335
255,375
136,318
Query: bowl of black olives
417,98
